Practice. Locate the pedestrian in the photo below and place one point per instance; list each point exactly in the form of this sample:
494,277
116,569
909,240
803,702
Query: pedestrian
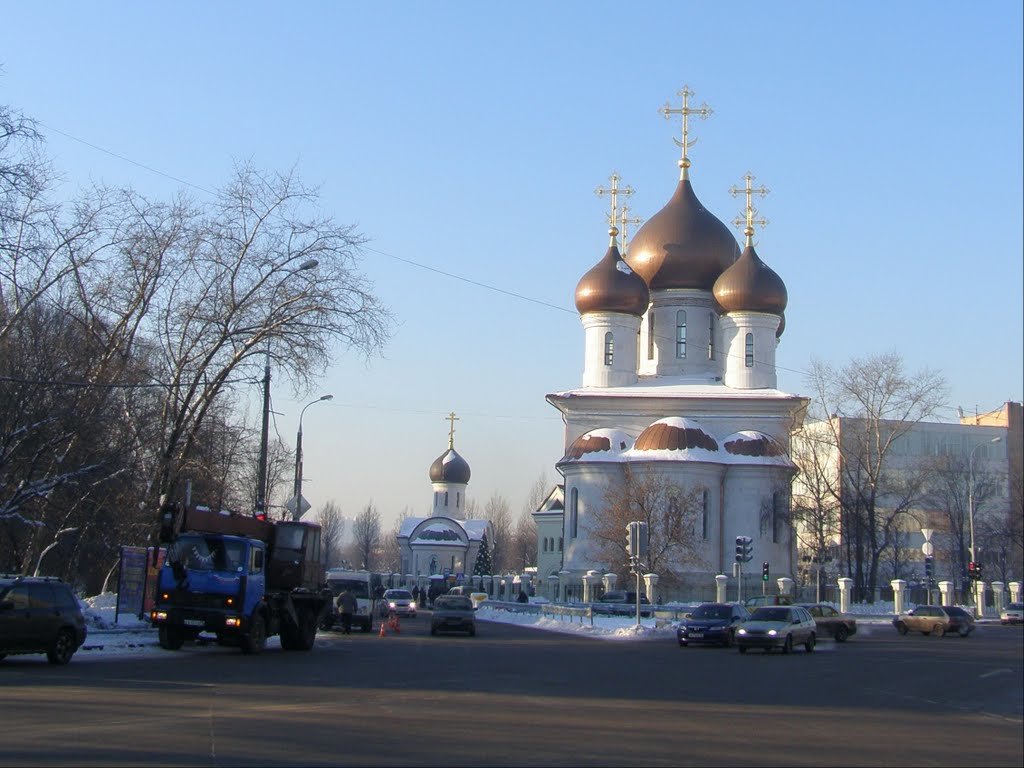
416,595
346,606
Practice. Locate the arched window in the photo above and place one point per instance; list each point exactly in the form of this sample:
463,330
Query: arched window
650,334
458,498
681,334
545,543
560,543
750,351
711,335
446,498
573,513
609,348
705,515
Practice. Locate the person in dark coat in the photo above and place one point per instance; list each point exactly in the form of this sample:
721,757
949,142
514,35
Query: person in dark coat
346,607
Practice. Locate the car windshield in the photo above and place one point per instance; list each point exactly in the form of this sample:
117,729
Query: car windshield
206,553
712,612
954,611
454,602
360,589
1015,607
398,594
770,614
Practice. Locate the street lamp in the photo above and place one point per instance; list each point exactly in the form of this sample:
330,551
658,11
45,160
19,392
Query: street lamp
297,512
261,469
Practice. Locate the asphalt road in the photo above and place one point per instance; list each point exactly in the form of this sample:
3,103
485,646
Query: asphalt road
521,696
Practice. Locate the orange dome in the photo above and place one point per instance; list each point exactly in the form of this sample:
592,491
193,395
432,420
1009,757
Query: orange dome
750,285
611,286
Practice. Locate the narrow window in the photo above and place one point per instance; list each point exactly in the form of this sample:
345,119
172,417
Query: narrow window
446,498
560,543
650,334
573,513
750,350
609,348
704,516
458,498
681,334
711,335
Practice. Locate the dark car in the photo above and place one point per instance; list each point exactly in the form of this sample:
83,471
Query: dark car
40,615
937,620
831,623
620,603
453,613
712,623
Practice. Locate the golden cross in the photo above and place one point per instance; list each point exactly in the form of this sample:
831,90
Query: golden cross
451,418
748,220
703,112
614,192
624,222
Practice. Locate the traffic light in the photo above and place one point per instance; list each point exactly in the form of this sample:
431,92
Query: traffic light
977,571
928,570
636,539
972,571
764,571
743,549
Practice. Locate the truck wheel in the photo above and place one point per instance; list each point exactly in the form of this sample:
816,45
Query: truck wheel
171,638
305,633
289,635
256,638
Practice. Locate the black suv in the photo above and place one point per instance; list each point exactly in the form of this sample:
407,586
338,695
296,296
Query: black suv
39,615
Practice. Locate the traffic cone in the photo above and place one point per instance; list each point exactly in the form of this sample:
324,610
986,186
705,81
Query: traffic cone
395,625
383,629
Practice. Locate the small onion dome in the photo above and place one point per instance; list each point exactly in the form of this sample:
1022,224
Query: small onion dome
782,325
750,443
449,467
609,442
674,434
611,286
750,285
682,245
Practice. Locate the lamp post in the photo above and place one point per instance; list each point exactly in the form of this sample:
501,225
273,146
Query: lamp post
970,496
261,469
297,512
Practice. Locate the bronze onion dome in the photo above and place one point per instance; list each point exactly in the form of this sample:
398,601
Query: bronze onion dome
674,434
683,245
450,467
611,286
750,285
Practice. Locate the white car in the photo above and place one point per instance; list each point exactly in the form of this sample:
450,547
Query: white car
777,626
398,602
1012,614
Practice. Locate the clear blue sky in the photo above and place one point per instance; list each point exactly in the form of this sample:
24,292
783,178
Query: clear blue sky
469,137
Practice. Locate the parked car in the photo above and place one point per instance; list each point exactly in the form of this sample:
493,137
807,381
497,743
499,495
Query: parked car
758,600
399,602
620,603
831,623
935,620
453,613
1012,614
777,626
713,623
40,615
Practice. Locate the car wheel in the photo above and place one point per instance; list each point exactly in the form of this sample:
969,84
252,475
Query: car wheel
938,630
171,638
256,639
841,634
788,645
63,648
743,649
965,631
809,645
682,643
901,628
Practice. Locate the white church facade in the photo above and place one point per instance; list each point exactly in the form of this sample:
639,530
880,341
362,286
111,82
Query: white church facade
680,332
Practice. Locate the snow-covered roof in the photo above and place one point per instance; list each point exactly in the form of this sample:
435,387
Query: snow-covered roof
474,530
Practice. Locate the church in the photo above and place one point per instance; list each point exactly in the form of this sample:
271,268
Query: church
680,330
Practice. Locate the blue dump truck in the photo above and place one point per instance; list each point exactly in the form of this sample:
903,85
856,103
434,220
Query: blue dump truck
239,578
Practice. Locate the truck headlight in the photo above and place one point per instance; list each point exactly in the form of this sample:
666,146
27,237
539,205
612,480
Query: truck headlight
233,621
158,615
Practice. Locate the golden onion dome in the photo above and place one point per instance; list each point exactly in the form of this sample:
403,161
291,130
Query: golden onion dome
611,286
750,285
683,245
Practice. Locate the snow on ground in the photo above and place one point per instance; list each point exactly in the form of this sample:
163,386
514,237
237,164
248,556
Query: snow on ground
131,636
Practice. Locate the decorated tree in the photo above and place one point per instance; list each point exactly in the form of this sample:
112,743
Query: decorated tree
483,559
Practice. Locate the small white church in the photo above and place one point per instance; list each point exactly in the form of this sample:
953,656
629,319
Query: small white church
680,331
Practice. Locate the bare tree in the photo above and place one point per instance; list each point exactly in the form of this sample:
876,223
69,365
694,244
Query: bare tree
390,551
366,532
498,513
523,548
672,514
866,406
332,532
815,511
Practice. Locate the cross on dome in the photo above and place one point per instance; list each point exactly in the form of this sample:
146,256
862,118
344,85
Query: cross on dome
748,220
703,112
451,418
614,191
624,222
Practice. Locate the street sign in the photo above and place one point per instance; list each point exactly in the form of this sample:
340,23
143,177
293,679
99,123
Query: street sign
927,533
927,549
304,506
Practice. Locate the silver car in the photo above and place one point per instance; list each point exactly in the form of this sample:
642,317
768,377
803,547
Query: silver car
777,626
